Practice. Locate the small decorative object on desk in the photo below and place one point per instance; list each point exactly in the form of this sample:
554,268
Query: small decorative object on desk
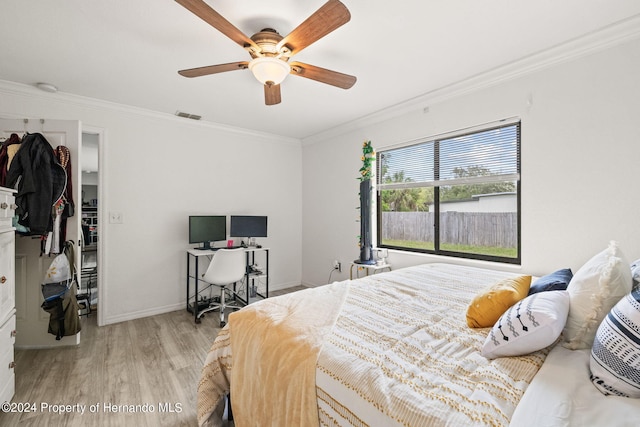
381,255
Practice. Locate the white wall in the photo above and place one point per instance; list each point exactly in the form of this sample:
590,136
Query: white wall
580,161
157,169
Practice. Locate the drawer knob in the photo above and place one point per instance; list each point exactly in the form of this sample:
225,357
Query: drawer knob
4,205
12,365
13,206
14,333
3,279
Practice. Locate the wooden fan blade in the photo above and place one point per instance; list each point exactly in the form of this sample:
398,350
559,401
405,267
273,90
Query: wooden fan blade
217,21
322,75
272,94
330,16
214,69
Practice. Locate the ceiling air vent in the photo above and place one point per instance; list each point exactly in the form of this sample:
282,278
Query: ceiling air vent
187,115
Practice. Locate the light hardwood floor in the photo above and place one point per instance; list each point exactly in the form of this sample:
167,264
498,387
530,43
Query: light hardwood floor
154,361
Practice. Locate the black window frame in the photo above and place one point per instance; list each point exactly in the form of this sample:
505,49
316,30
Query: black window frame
436,196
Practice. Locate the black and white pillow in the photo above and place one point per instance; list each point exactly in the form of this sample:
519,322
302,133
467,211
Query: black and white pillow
635,273
615,356
529,325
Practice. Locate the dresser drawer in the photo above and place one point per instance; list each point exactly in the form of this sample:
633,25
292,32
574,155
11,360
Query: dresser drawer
8,334
7,208
7,370
7,275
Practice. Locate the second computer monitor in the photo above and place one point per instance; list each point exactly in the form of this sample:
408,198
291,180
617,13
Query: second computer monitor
248,226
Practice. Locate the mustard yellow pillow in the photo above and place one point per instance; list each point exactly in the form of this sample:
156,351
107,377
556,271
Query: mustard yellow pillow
487,307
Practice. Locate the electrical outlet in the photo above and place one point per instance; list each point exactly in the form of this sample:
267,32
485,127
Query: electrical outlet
337,265
115,217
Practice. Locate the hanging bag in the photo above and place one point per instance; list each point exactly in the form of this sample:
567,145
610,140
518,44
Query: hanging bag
58,278
58,290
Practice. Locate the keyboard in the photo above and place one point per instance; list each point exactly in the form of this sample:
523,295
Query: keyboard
215,249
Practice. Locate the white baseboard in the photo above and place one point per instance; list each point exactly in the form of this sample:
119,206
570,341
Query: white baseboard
310,285
281,286
144,313
174,307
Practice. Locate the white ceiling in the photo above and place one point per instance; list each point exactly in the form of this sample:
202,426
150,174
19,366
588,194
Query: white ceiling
129,52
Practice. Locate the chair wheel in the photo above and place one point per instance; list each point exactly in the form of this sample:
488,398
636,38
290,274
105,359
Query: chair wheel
222,324
198,320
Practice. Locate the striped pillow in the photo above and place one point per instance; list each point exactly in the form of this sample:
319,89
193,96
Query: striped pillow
615,355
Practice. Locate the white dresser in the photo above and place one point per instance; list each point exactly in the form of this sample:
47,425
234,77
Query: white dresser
7,295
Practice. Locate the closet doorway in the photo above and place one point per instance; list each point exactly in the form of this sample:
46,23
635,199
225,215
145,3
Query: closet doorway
90,211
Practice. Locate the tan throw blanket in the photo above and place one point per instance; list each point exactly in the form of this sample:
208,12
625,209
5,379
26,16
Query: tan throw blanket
214,381
275,344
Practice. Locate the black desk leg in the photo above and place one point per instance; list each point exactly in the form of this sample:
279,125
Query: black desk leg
196,307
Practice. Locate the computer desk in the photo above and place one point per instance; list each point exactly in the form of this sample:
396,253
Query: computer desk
194,306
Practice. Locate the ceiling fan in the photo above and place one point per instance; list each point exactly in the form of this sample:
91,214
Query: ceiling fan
270,52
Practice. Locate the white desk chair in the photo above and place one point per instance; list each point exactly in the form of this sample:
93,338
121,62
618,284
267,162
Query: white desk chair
228,266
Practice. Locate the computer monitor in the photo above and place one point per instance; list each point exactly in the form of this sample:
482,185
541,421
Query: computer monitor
204,229
248,226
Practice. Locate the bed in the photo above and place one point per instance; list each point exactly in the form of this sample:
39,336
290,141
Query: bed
392,349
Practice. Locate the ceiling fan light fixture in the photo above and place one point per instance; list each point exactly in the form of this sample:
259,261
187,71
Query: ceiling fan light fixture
269,69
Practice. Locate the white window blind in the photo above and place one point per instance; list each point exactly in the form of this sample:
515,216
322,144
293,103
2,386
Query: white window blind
489,155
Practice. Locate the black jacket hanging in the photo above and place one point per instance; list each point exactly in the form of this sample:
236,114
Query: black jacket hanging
40,182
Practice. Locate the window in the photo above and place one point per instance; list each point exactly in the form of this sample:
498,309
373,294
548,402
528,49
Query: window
456,195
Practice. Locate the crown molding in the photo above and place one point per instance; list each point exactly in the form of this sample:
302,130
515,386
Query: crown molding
30,92
607,37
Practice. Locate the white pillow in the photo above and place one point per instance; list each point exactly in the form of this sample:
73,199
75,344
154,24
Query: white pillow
529,325
615,356
594,290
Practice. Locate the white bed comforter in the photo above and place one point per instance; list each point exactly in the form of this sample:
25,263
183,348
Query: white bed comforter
401,354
